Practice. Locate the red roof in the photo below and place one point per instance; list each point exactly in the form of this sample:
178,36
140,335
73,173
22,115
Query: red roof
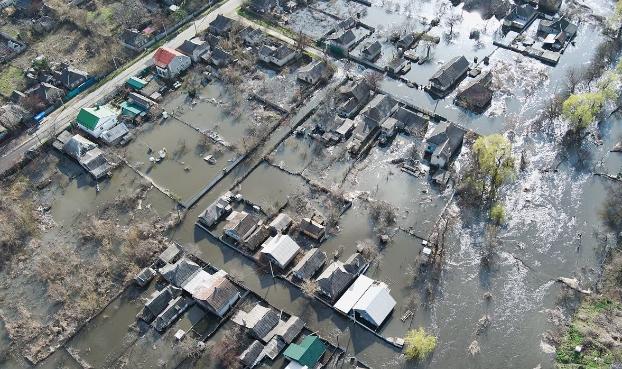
164,55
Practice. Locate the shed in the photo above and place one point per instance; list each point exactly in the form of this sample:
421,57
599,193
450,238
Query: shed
353,294
308,352
136,83
281,249
145,276
281,222
169,255
376,304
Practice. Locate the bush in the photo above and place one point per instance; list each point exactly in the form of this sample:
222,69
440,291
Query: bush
497,213
419,344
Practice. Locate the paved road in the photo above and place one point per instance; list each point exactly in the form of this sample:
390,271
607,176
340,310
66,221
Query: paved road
62,117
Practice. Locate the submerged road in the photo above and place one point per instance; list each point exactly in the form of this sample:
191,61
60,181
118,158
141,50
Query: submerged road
61,118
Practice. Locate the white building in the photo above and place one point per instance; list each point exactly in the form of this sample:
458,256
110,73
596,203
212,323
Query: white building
169,63
281,249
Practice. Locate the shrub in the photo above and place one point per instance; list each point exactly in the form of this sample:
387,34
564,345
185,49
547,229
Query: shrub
497,213
419,344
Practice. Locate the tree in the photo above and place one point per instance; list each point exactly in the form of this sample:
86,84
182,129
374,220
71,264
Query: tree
497,213
581,109
419,344
494,164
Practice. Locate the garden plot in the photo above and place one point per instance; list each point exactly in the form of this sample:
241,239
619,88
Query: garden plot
340,8
311,22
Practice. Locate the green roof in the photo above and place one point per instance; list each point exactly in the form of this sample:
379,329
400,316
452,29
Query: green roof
308,352
136,83
89,117
130,109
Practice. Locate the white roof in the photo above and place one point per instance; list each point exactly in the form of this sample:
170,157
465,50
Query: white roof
353,294
201,280
282,248
376,304
295,365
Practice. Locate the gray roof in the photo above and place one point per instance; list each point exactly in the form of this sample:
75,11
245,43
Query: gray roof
357,89
70,76
219,294
406,41
309,264
450,72
372,49
216,210
260,320
355,263
281,222
274,347
257,238
253,354
314,70
77,146
178,273
334,280
158,302
413,121
174,309
170,253
287,330
241,224
189,46
380,108
343,37
221,24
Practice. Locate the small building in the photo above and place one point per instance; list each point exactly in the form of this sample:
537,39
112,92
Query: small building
379,108
342,41
344,128
257,238
274,347
280,249
115,135
216,210
220,26
278,55
213,292
170,63
549,6
334,280
281,223
263,7
194,48
218,57
286,331
88,155
308,353
252,355
144,103
172,311
145,276
557,33
406,41
97,120
134,39
156,304
169,255
520,17
260,320
136,83
240,225
313,227
177,274
444,142
309,264
353,294
251,36
413,122
375,305
475,97
353,96
45,94
371,51
314,72
449,75
398,65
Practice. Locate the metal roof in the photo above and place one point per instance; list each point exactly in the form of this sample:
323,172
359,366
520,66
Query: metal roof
353,294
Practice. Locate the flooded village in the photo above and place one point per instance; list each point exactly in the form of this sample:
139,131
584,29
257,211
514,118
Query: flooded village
319,184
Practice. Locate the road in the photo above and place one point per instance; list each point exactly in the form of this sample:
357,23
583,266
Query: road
61,118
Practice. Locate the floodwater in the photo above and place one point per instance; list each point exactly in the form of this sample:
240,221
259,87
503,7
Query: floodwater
552,230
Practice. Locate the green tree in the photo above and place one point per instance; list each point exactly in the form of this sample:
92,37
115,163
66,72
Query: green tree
581,109
497,213
419,344
494,164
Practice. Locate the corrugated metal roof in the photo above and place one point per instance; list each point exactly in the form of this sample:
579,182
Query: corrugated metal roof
282,248
376,304
353,294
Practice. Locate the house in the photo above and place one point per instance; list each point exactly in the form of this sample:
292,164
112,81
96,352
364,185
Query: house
158,301
379,108
371,51
172,311
274,347
213,292
476,96
277,55
280,249
252,355
313,227
194,48
169,255
520,17
353,96
216,210
260,320
413,122
556,32
281,223
308,353
344,128
177,274
335,279
342,41
375,305
314,72
220,26
398,65
263,7
70,77
448,75
286,331
355,264
257,238
240,225
251,36
169,63
388,129
88,156
444,142
44,95
353,294
97,120
134,39
115,134
406,41
10,47
309,264
217,57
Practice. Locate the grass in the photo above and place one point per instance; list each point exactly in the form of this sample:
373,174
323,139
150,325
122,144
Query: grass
11,78
262,22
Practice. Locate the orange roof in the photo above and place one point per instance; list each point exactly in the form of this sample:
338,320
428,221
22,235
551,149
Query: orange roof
164,55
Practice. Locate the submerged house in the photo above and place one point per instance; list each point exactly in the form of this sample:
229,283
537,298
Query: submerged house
213,292
281,250
173,310
314,72
375,304
444,142
556,32
158,301
88,155
476,96
520,17
342,41
252,355
309,264
448,76
313,227
260,320
240,225
352,97
278,55
371,51
308,353
217,210
177,274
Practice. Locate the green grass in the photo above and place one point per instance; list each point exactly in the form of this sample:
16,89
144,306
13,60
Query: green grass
11,78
